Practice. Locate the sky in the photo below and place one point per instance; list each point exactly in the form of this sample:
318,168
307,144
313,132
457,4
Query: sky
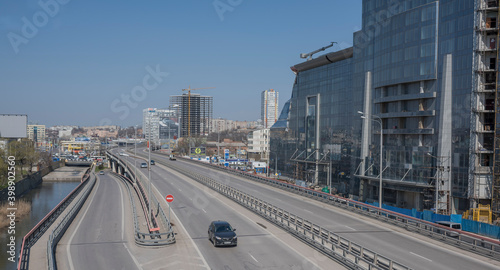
85,63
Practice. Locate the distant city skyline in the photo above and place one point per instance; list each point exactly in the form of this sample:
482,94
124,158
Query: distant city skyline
85,63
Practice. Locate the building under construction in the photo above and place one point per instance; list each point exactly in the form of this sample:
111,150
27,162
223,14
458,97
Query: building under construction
426,73
195,113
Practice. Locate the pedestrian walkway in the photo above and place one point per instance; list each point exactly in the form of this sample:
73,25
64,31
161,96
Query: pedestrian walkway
66,174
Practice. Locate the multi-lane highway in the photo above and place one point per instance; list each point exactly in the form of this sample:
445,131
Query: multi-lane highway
386,240
100,235
258,247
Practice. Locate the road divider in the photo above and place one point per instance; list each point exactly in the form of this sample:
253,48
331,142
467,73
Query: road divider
160,231
465,240
342,250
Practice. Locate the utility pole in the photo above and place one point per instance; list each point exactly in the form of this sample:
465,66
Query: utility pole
149,165
135,154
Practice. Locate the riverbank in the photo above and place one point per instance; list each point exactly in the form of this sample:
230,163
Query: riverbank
22,207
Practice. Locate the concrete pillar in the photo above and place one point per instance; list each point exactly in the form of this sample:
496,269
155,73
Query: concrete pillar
445,130
365,134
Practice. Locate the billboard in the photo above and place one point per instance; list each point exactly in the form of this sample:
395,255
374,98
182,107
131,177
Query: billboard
199,151
13,125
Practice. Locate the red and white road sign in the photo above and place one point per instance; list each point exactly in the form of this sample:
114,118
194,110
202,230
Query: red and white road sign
170,198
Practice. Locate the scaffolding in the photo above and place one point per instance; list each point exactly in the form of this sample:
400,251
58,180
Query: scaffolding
482,157
495,196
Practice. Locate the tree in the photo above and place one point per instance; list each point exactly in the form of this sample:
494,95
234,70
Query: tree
127,132
25,155
3,168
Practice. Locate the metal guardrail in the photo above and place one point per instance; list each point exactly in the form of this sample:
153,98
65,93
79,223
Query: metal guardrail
333,245
61,228
464,240
32,236
154,237
148,239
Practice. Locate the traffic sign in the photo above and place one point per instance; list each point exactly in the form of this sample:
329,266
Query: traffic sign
170,198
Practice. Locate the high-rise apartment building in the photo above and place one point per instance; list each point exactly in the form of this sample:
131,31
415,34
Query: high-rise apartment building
269,107
159,124
426,73
36,133
151,124
195,113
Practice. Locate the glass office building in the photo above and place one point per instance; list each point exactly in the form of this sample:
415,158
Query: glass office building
425,72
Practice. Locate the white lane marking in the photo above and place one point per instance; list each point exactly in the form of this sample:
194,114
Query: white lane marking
253,222
204,210
123,225
308,211
253,257
185,231
349,227
133,258
180,189
68,250
123,209
421,256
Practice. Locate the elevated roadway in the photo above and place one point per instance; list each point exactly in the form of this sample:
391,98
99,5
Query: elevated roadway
101,236
411,249
260,244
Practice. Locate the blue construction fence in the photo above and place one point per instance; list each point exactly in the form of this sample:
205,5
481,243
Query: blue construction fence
467,225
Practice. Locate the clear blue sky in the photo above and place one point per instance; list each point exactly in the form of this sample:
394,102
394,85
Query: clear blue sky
86,57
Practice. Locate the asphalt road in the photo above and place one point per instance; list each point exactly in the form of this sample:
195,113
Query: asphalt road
97,238
412,252
196,208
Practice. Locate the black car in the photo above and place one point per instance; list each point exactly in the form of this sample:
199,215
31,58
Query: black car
152,162
222,234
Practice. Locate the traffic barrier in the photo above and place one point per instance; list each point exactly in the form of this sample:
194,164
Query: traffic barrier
333,245
465,240
61,228
34,234
154,237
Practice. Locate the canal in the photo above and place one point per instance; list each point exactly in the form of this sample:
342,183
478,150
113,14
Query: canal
43,199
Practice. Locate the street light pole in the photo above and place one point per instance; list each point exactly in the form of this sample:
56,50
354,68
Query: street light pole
379,120
149,166
276,164
135,154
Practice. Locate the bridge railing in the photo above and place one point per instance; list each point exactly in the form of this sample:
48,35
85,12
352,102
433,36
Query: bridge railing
34,234
462,239
342,250
61,228
155,236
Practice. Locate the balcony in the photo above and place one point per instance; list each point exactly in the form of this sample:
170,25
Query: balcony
488,128
408,114
405,97
490,5
409,131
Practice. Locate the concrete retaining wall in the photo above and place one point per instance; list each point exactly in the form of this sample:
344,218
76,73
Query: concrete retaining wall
30,182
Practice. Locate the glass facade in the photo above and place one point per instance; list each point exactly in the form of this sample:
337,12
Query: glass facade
426,87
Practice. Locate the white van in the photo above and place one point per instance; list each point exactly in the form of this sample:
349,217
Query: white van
449,224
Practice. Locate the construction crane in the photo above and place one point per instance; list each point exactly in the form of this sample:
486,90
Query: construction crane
189,106
309,55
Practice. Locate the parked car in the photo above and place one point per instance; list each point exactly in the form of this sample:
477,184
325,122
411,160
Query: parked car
101,172
222,234
144,165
